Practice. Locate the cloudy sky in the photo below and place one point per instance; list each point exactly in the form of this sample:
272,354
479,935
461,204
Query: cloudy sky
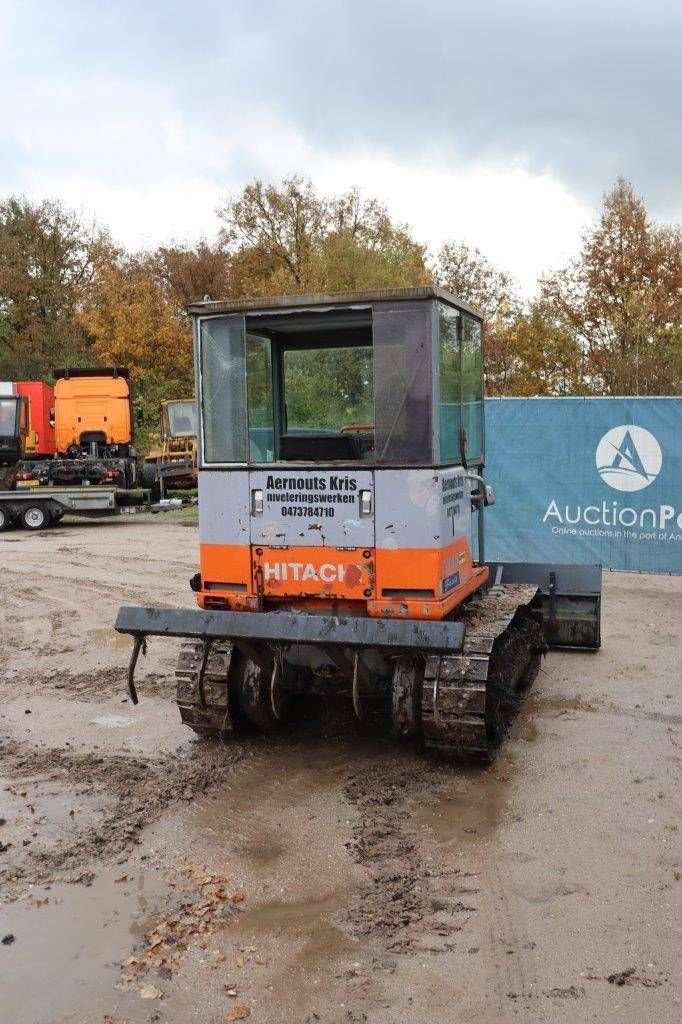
497,122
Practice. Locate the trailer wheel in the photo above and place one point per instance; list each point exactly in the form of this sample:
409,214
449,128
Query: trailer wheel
35,517
148,475
4,519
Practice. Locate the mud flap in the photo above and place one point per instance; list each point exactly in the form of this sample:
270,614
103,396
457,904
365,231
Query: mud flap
568,599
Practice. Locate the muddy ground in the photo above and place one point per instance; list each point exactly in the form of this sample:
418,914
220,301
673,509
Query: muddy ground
330,875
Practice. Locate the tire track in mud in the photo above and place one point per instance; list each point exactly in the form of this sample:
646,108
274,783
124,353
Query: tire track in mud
100,684
131,791
105,586
413,901
58,628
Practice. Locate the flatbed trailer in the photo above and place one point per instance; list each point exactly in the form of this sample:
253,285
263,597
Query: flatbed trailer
37,508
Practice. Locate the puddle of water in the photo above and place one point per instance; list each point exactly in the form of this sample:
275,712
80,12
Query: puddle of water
107,635
255,819
41,813
306,920
527,729
62,965
245,817
468,813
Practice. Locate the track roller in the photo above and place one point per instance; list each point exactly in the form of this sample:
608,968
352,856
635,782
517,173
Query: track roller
220,691
406,696
259,692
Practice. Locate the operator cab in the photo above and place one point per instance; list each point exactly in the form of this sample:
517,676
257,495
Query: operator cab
180,419
389,378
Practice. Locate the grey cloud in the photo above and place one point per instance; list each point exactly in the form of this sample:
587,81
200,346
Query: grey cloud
585,91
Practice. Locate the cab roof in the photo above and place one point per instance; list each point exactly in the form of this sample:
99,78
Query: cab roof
330,299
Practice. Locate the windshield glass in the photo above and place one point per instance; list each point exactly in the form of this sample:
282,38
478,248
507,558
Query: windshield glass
326,389
8,417
182,419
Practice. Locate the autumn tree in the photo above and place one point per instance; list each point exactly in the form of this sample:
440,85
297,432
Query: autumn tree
287,238
189,273
47,264
622,297
533,355
132,323
467,273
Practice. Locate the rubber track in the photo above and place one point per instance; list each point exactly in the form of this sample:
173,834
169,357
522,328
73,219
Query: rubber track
468,699
216,719
476,692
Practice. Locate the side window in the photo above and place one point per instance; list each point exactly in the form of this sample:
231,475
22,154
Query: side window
223,390
403,374
259,398
450,384
472,387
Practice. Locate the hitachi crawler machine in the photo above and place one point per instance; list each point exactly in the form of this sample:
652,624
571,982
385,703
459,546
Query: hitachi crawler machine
341,508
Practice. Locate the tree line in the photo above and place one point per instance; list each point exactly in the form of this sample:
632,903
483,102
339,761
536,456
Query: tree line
609,322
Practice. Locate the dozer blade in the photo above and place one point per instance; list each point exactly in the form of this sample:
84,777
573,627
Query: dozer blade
568,598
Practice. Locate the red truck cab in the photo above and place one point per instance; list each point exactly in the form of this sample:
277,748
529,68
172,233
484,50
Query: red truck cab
40,441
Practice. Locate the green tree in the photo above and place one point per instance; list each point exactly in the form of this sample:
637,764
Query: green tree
288,239
47,266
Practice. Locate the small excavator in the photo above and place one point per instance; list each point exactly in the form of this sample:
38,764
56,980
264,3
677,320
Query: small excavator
342,501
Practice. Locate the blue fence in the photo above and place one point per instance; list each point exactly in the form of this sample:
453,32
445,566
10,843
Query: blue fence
586,480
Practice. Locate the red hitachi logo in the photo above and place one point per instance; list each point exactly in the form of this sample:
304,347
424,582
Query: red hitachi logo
299,572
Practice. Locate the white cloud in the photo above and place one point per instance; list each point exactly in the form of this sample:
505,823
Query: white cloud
524,222
505,143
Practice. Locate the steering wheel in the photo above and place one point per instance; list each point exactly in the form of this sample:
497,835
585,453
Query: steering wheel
357,428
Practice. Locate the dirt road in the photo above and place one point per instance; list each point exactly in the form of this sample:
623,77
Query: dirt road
331,875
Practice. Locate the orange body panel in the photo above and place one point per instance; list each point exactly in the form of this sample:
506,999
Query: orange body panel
92,404
424,583
413,584
226,577
305,572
